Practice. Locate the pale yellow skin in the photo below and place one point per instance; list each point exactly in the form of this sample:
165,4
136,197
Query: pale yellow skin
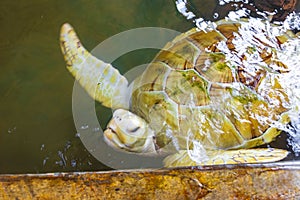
199,120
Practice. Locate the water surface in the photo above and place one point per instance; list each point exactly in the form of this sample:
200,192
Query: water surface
37,132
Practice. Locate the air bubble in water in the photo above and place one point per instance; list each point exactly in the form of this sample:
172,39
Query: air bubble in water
84,127
77,135
12,130
73,163
216,15
45,161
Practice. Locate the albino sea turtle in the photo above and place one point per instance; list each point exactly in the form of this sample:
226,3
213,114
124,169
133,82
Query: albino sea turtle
202,101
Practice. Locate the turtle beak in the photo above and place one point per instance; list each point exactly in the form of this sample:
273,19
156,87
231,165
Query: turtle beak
112,139
128,132
121,135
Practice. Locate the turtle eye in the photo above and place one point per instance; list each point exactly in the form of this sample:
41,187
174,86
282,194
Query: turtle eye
129,124
133,126
134,129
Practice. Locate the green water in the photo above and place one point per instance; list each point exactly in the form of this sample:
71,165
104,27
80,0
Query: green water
36,120
37,132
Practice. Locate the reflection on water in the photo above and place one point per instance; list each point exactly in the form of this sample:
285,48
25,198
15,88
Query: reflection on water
37,133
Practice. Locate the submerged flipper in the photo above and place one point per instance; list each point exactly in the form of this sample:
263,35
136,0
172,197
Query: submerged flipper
240,156
103,82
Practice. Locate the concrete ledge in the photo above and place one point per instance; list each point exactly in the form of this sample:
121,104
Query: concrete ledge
271,181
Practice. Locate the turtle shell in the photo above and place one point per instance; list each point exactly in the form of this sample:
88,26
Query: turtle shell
203,87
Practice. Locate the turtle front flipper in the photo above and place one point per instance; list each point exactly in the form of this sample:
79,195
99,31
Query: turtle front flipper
240,156
102,82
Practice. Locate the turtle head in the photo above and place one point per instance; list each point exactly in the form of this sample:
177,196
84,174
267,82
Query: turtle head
128,132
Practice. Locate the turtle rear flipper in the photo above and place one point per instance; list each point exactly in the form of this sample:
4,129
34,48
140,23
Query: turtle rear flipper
102,81
240,156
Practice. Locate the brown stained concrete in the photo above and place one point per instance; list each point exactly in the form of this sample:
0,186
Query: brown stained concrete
273,181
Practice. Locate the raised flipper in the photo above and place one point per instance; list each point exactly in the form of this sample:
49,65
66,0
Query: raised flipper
103,82
240,156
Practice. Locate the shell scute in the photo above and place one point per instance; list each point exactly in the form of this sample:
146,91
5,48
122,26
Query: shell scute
214,68
228,29
187,88
181,55
157,109
206,41
216,130
152,79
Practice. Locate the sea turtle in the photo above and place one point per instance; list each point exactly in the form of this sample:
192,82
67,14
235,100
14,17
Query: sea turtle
205,99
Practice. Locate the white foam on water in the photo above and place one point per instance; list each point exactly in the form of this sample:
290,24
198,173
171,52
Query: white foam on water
235,15
292,21
203,24
200,23
262,35
290,53
181,7
223,2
